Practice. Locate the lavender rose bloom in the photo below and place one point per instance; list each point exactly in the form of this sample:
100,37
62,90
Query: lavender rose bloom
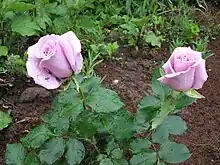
184,70
53,58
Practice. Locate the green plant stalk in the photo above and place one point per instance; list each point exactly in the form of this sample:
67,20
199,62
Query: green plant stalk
82,97
2,31
80,91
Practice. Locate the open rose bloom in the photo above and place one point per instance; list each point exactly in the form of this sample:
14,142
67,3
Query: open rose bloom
184,70
53,58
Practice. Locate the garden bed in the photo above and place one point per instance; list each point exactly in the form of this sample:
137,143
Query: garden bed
129,75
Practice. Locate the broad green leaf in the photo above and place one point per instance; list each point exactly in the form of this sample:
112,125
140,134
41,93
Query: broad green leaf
61,162
149,101
59,124
25,26
120,162
86,128
130,28
160,135
144,158
68,103
52,150
111,146
183,101
31,159
139,145
3,51
151,38
87,124
86,23
37,136
194,94
51,7
172,152
175,125
75,151
62,24
15,154
171,125
120,124
165,109
141,127
9,15
61,9
106,161
19,6
5,119
147,110
104,100
43,17
90,84
160,90
117,153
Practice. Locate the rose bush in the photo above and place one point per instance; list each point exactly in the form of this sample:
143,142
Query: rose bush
53,58
184,70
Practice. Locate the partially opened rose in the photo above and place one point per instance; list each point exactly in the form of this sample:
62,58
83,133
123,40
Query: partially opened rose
53,58
184,70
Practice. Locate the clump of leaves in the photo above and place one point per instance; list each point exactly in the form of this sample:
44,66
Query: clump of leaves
88,124
15,65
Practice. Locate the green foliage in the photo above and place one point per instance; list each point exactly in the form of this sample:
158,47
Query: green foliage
171,125
24,26
52,151
172,152
152,39
37,137
75,151
104,100
138,145
159,89
15,65
87,123
87,117
31,159
5,120
147,157
3,51
131,22
201,46
15,154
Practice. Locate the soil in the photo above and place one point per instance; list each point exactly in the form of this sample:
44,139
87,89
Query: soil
129,73
133,72
25,112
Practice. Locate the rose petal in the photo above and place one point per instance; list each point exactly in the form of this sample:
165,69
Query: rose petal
57,64
43,42
184,52
32,50
168,69
41,77
79,63
179,82
200,75
180,66
72,48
